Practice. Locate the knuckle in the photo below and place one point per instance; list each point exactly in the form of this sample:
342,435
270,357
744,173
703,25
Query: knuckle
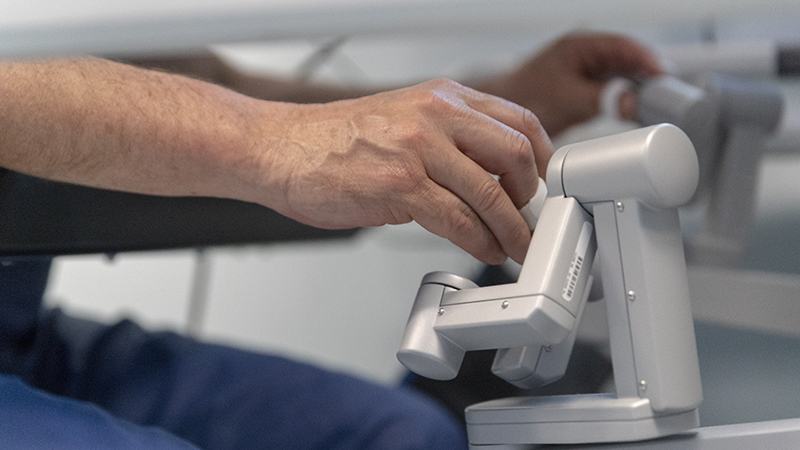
436,97
445,84
464,221
531,122
537,135
569,39
490,196
436,103
474,236
572,40
520,150
416,134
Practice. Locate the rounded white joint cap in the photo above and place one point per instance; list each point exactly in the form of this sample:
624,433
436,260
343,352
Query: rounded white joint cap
533,209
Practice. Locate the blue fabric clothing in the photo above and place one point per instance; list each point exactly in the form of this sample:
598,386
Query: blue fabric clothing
22,284
123,387
32,419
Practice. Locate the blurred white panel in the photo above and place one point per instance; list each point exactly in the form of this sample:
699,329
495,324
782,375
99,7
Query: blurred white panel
36,27
281,58
82,11
780,26
152,288
744,58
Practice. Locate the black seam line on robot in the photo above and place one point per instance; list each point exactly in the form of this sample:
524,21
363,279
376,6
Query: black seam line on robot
564,188
561,175
627,304
587,208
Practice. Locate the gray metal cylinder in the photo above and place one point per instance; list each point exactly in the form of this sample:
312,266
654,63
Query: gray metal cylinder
423,351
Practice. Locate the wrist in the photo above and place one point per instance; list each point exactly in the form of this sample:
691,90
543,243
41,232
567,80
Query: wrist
255,150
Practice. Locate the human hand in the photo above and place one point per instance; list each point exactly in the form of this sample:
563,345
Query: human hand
424,153
563,83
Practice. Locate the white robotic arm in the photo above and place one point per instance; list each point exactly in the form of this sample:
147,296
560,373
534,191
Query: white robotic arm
618,196
452,315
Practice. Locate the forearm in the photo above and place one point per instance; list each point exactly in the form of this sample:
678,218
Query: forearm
423,153
211,68
109,125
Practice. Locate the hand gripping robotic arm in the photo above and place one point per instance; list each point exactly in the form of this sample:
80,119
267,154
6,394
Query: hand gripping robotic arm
617,196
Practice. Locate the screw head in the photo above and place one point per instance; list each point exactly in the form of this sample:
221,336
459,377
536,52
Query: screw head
631,296
505,305
441,311
620,207
642,385
548,348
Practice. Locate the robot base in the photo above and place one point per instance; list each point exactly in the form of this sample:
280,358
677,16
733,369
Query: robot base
515,423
